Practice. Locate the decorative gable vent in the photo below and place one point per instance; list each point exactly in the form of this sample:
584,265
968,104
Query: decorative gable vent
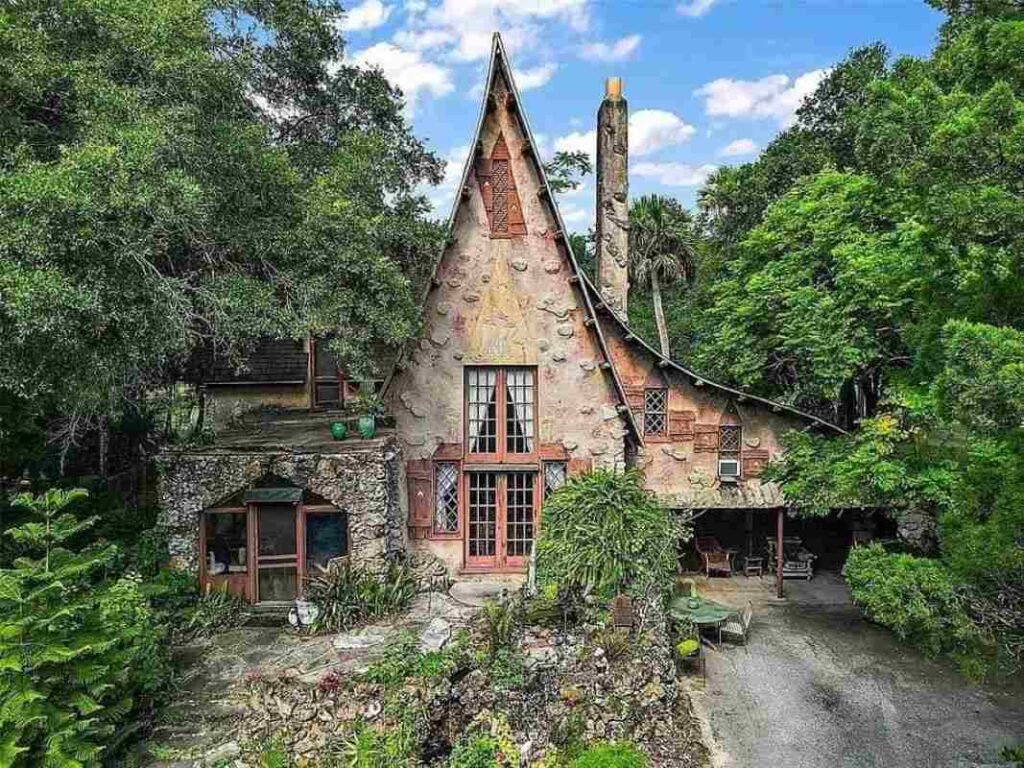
498,191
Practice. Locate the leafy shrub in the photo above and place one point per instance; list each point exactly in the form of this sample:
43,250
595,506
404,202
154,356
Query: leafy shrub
393,745
488,743
501,621
403,660
604,531
610,755
346,595
918,600
217,611
80,651
615,643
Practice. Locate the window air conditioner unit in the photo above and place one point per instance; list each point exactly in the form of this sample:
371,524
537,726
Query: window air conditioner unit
729,470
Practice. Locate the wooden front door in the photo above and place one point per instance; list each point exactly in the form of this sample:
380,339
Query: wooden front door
277,553
502,518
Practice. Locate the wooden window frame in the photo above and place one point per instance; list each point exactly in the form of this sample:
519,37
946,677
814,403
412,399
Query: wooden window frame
435,532
501,562
502,455
663,435
248,587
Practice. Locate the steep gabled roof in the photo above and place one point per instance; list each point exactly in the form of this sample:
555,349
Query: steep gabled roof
698,379
499,64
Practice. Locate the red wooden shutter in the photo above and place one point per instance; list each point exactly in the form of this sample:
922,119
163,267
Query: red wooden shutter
754,461
635,398
419,478
681,423
705,438
579,466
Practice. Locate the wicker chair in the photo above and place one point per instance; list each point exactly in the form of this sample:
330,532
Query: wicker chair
713,556
736,627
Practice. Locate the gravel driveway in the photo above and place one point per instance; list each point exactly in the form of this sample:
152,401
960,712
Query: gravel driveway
817,686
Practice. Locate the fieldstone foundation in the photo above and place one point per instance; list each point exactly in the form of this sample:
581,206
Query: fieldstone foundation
358,476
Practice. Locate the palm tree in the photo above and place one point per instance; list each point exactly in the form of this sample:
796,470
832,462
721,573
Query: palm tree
662,250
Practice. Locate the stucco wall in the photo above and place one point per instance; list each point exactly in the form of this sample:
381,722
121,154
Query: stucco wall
362,478
679,474
508,302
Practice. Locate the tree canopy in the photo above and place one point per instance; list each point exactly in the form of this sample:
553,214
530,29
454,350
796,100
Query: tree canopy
175,173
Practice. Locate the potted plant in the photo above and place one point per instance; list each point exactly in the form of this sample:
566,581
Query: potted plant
371,408
339,430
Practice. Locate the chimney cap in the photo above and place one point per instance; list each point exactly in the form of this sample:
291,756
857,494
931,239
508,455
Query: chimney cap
613,88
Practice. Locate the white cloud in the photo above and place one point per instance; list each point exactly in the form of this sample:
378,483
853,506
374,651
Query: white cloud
369,14
423,40
470,23
408,70
654,129
528,79
775,96
738,148
575,214
694,8
617,51
674,174
650,130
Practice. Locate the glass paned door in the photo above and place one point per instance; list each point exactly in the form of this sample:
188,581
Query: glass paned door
501,515
482,531
277,563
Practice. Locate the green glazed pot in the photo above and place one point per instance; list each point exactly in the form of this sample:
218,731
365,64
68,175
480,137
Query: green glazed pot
367,426
339,430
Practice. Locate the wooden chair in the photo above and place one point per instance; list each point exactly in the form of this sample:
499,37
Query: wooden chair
736,626
713,556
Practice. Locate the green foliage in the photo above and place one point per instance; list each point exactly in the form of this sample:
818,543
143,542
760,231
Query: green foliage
487,743
918,600
565,171
605,532
80,650
403,660
614,643
216,611
501,622
180,173
611,755
688,647
347,595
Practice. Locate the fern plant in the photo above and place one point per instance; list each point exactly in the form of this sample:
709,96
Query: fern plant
78,650
604,532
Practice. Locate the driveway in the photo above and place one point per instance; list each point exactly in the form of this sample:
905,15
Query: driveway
817,686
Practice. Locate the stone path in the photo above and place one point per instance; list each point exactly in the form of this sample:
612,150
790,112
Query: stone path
817,685
195,728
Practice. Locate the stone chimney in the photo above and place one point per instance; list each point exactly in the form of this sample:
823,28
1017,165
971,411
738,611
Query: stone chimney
613,196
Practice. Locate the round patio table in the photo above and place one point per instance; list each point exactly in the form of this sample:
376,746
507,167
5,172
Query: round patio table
701,611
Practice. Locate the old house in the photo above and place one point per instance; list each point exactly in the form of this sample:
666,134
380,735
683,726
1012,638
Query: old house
525,373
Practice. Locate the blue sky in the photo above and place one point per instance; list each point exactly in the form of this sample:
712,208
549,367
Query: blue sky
709,82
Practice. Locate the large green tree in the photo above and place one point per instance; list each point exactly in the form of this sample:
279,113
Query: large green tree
177,172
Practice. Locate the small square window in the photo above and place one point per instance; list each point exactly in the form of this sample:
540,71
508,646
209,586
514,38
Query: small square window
446,500
555,474
655,411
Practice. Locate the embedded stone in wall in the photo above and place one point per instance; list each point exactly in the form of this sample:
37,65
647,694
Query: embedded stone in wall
439,338
361,479
410,405
471,297
565,331
443,308
558,357
519,265
543,345
552,267
587,365
675,453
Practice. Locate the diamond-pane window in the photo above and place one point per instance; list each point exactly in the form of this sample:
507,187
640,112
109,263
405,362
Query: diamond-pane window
555,473
730,438
499,190
446,499
655,411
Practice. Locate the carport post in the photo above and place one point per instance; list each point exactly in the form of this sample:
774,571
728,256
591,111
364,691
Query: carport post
780,521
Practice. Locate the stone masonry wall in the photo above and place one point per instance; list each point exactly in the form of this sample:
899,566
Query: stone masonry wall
361,478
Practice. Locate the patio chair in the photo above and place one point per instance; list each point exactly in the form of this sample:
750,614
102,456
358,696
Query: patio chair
736,626
713,556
